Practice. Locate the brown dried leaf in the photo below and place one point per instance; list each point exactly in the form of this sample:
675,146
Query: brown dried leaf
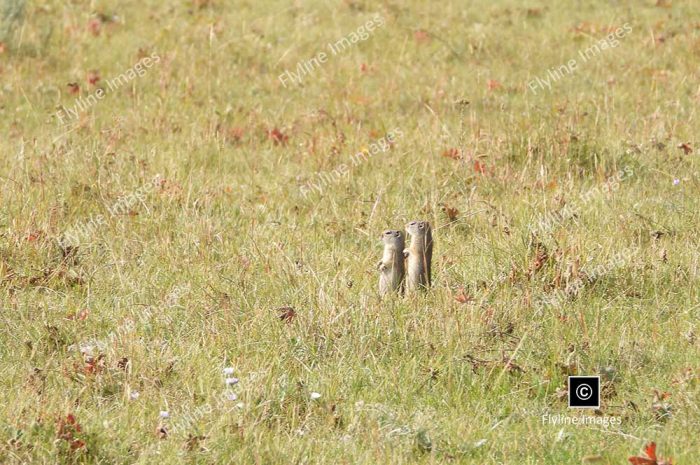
286,314
687,149
451,212
463,296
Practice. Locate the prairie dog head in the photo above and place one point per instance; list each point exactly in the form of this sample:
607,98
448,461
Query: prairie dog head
393,238
419,229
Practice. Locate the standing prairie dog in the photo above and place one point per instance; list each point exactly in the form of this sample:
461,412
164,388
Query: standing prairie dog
419,255
391,269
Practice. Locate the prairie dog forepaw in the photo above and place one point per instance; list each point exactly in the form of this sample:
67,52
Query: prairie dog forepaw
406,253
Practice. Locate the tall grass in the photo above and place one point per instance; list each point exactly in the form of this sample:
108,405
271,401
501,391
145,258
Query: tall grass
11,16
201,269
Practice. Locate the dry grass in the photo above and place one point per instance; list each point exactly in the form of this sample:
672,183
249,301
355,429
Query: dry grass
188,276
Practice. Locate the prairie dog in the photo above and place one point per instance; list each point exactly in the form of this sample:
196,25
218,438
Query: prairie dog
391,268
419,255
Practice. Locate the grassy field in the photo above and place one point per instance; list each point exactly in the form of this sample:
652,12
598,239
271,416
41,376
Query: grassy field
192,195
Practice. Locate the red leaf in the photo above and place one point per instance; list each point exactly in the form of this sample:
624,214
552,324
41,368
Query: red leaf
277,136
94,365
650,459
452,153
451,212
687,149
641,461
73,88
421,35
93,77
650,450
95,26
463,297
479,167
286,314
77,444
90,368
235,134
67,429
492,84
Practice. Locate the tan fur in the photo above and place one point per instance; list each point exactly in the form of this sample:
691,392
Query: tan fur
391,266
419,255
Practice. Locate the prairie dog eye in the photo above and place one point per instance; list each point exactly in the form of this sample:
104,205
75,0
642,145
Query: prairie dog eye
412,223
388,233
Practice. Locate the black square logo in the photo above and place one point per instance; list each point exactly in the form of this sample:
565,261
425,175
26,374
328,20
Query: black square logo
584,391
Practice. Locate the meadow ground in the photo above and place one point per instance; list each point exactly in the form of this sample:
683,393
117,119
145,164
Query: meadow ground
187,256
